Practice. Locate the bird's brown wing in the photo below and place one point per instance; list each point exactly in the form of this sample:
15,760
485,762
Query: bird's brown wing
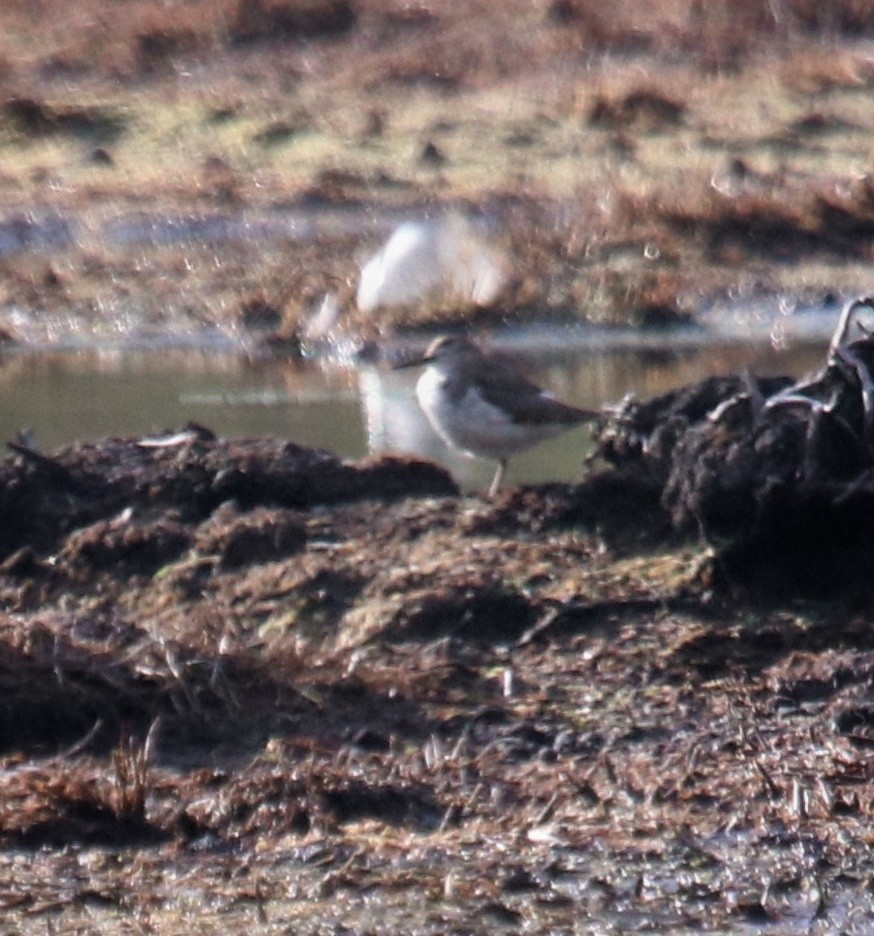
503,386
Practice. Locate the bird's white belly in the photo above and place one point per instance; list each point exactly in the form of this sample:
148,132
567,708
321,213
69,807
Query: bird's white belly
473,425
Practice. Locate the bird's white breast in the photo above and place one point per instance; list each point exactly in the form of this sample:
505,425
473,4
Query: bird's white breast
472,424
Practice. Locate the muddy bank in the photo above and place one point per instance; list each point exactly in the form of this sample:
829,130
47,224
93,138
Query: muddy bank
322,691
774,474
251,685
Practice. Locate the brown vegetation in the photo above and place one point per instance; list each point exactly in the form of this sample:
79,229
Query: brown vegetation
513,697
254,686
728,146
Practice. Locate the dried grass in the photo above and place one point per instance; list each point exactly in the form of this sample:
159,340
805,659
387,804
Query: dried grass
425,704
146,35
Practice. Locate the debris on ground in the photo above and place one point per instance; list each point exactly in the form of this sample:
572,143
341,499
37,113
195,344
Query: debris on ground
317,691
777,475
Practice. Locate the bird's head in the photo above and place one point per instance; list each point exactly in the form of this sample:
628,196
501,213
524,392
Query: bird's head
443,349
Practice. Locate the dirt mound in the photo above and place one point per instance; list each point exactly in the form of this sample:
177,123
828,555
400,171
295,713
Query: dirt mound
777,476
42,498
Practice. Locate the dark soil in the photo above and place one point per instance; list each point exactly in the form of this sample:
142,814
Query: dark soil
554,707
775,475
250,687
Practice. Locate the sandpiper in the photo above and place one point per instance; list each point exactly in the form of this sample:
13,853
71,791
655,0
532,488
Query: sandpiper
481,405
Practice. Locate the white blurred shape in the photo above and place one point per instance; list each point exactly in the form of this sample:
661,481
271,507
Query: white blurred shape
320,324
427,260
392,417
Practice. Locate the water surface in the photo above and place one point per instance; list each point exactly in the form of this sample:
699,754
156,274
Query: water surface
350,410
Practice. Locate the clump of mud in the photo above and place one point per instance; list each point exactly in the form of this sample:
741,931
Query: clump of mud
186,476
777,476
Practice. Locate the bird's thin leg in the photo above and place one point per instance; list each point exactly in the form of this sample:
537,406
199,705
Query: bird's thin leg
498,478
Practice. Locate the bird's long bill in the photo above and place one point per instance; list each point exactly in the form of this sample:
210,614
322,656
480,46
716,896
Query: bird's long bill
420,360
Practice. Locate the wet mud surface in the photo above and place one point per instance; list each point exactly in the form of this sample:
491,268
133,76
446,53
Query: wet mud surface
325,693
250,685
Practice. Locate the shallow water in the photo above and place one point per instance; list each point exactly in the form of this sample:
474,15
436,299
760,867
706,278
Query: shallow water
355,410
124,379
51,231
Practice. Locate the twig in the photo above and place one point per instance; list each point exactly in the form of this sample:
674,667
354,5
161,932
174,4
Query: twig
81,744
865,382
846,320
